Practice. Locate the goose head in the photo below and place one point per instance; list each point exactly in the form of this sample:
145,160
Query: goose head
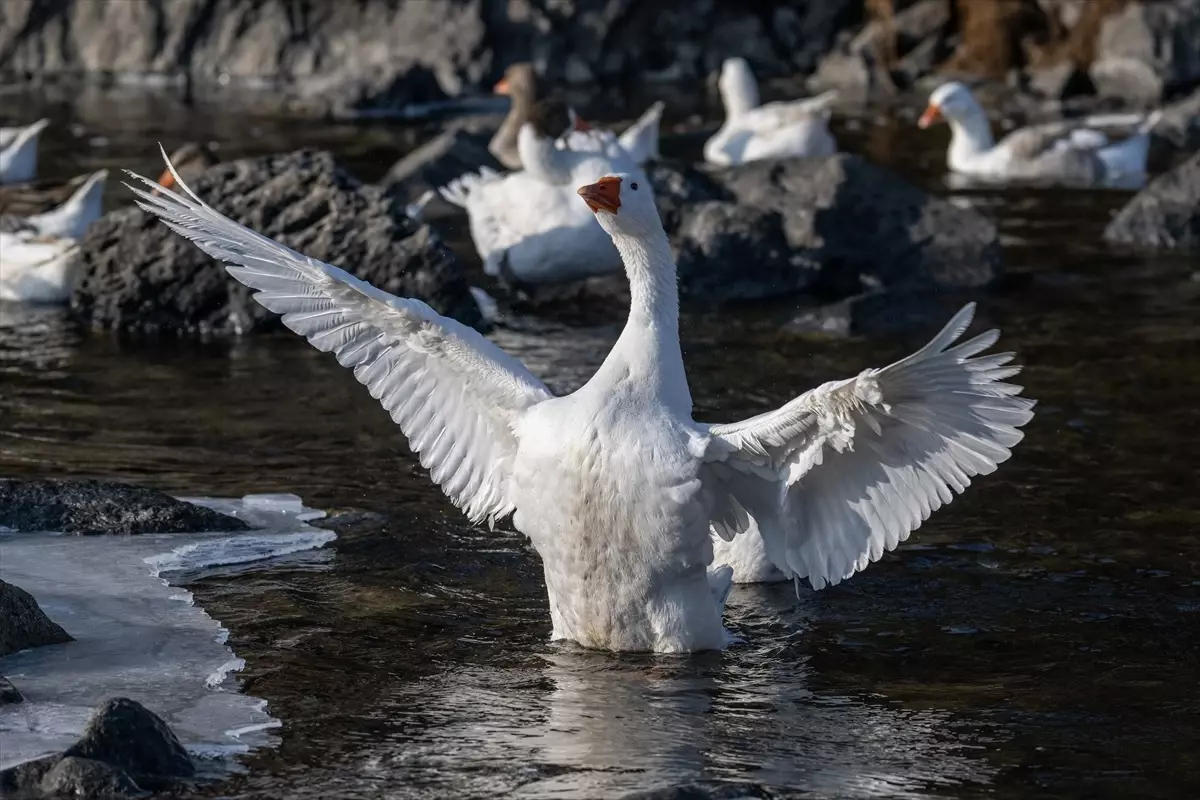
519,83
952,102
623,205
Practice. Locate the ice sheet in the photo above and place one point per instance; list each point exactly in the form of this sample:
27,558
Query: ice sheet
137,635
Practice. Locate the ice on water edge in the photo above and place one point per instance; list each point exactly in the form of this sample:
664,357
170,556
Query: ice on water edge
136,634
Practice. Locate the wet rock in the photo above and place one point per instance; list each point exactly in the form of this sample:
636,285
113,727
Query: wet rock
353,57
677,186
1164,215
23,624
1059,81
1179,127
124,751
832,226
437,162
1147,47
83,777
124,734
729,251
704,790
90,507
9,693
138,275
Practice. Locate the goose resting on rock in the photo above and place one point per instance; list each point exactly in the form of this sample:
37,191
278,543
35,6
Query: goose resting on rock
616,486
753,132
1067,151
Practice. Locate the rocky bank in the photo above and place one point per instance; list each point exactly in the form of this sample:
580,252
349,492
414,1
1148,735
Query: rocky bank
371,55
138,275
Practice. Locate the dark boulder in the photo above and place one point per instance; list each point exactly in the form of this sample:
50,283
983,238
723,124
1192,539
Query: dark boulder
347,58
124,751
9,694
138,275
23,624
125,734
97,507
85,778
1164,215
830,226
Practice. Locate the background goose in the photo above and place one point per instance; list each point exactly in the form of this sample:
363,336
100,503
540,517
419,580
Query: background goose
519,83
616,486
19,152
527,226
1067,151
34,270
752,132
69,220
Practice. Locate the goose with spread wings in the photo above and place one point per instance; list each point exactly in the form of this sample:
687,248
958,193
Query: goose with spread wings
617,487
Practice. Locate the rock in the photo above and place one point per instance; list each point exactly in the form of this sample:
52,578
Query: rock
729,251
1179,127
1146,48
1164,215
704,790
437,162
97,507
23,624
83,777
891,47
368,55
833,226
24,780
676,186
8,693
1059,81
138,275
122,733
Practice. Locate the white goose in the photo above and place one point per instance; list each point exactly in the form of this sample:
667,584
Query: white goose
36,270
70,220
1067,151
519,83
616,485
19,153
752,132
528,226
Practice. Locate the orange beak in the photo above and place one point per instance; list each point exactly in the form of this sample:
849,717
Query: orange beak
931,115
501,86
603,195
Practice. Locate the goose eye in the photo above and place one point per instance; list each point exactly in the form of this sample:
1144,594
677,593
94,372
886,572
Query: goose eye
633,186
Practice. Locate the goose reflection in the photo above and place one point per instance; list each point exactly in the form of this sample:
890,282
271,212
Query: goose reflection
581,724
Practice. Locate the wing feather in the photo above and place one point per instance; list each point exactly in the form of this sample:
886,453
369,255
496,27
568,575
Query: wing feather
861,463
453,393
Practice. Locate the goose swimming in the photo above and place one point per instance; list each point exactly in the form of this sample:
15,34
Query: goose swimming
1068,151
616,486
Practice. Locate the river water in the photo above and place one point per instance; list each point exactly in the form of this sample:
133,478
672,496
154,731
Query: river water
1040,637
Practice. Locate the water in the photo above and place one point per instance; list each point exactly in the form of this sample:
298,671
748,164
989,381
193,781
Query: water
1040,637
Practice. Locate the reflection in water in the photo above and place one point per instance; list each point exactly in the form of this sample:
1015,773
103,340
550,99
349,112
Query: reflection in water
585,725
